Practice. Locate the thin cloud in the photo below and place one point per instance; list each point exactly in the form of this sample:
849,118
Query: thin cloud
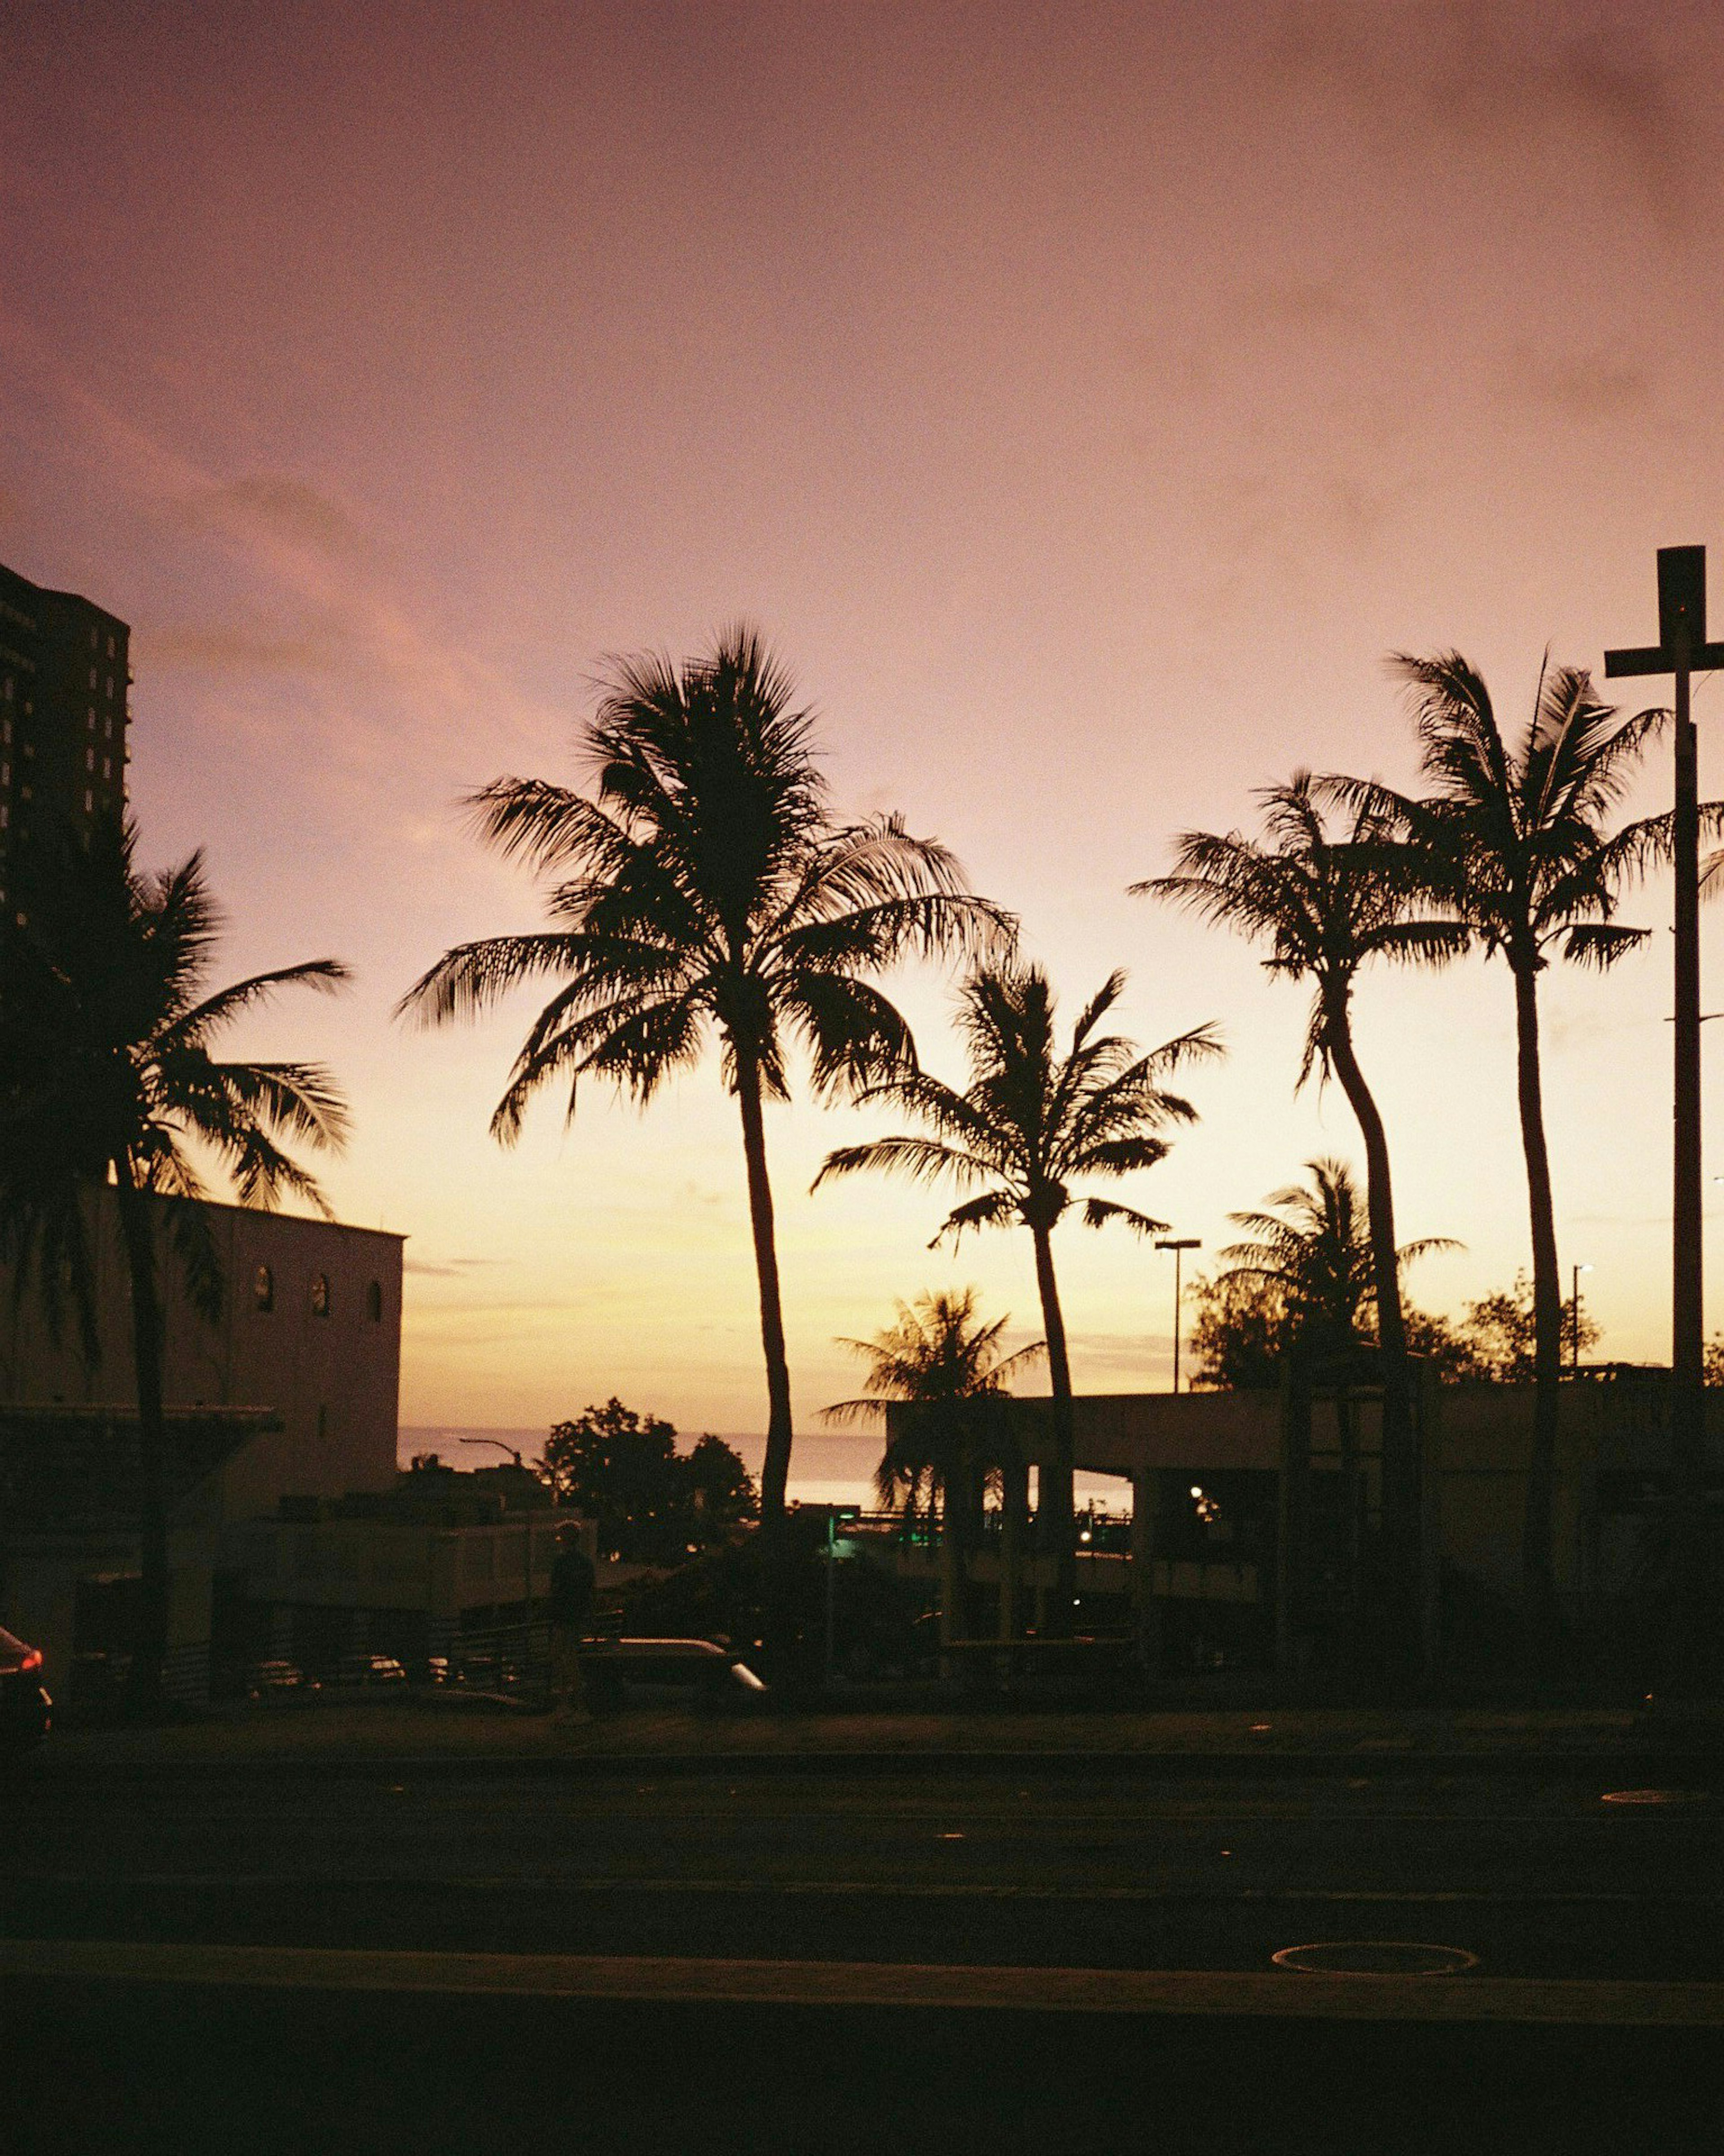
285,507
1488,75
235,651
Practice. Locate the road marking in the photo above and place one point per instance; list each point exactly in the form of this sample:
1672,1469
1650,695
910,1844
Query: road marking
874,1890
678,1979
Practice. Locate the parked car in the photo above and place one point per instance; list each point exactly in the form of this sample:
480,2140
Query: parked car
483,1668
697,1671
278,1679
370,1670
26,1710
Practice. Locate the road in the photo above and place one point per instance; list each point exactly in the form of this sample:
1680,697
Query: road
1534,1873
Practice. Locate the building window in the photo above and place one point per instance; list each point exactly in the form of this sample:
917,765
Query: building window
88,801
92,670
110,688
322,1422
320,1294
107,766
89,759
263,1288
374,1302
110,647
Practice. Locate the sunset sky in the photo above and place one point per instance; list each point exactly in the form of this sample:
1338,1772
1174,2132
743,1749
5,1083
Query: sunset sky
1084,398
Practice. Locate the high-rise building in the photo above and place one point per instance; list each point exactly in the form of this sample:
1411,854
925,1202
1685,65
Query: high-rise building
63,676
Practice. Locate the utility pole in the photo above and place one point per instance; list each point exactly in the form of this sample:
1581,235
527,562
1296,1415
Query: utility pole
1574,1306
1178,1245
1682,650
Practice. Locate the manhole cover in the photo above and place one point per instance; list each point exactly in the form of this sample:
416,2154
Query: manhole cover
1375,1958
1653,1797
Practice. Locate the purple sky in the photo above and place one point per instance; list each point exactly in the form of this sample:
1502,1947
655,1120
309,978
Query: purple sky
1085,398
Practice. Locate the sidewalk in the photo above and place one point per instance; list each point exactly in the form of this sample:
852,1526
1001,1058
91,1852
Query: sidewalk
372,1733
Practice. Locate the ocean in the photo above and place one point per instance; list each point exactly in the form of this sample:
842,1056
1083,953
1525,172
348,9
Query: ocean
824,1469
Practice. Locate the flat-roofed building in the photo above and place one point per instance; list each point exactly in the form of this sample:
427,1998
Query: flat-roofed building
299,1377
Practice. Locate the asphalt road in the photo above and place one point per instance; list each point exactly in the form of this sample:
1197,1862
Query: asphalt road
1533,1873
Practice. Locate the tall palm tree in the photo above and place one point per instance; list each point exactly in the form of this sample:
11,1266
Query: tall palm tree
1030,1123
706,888
1326,903
1512,835
1313,1245
107,1076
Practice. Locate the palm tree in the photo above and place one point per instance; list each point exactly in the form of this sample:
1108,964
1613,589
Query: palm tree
1513,837
1030,1123
1326,905
940,1359
1312,1244
107,1077
946,1365
706,890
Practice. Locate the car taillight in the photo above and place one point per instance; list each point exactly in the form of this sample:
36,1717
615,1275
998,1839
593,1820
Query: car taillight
32,1660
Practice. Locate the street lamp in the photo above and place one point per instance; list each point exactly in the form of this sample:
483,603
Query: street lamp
513,1450
1575,1301
1177,1244
1682,650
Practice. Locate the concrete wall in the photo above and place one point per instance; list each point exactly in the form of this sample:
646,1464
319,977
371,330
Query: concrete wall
332,1376
1478,1448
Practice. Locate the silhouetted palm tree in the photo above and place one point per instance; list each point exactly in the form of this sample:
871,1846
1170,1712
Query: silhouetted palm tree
1512,836
1031,1122
1314,1245
941,1362
708,889
941,1359
107,1077
1326,905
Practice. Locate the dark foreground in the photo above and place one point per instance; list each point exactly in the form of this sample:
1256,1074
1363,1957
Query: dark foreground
877,1901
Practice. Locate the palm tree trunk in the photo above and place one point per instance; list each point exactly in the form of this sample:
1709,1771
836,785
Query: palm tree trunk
1054,1510
1403,1568
1537,1569
143,1682
775,1472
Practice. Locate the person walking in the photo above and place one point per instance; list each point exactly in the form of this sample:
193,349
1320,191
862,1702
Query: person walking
572,1583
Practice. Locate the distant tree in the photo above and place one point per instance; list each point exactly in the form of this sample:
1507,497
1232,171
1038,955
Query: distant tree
1714,1359
1501,1332
1239,1333
650,1503
708,891
945,1366
722,1492
1313,1249
1440,1344
940,1359
107,1023
1031,1122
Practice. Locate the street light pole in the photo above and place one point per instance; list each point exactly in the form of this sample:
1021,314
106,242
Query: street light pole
1177,1244
1681,649
1577,1271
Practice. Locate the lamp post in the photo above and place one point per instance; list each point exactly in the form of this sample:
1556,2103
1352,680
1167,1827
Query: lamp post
1178,1245
1574,1303
1681,648
526,1569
